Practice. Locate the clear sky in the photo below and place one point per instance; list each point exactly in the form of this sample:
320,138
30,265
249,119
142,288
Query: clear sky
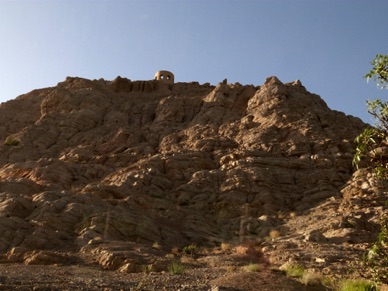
327,44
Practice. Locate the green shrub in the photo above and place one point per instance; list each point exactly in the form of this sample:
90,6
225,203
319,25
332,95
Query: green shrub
376,258
295,271
190,249
176,268
357,285
11,142
252,268
371,148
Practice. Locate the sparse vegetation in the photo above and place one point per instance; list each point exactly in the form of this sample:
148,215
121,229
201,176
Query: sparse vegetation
329,283
356,285
307,277
295,271
311,278
176,267
190,249
11,142
252,268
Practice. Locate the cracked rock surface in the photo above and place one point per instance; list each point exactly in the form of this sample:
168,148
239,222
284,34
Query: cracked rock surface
90,164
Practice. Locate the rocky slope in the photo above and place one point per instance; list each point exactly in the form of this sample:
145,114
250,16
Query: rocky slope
90,162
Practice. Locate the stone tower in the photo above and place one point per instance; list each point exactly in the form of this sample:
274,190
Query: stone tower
165,76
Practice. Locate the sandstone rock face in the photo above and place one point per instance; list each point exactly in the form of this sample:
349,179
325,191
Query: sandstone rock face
147,162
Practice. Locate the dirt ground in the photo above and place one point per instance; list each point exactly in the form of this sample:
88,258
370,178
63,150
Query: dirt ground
28,277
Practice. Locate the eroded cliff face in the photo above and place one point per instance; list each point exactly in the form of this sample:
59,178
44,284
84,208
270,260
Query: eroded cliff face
151,162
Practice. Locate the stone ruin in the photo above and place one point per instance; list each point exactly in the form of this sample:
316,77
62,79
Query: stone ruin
164,76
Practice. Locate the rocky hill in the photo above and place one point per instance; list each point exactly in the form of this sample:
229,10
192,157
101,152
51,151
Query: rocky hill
91,162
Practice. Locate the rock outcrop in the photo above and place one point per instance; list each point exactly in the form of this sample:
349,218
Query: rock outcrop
147,161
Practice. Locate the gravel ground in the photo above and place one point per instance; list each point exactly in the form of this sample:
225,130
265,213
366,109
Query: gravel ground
24,277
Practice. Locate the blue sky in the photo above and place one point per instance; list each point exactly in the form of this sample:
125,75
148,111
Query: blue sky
327,44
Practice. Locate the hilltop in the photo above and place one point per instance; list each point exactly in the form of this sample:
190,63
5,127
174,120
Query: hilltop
124,174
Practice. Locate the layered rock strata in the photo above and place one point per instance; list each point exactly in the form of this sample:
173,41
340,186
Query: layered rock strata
146,162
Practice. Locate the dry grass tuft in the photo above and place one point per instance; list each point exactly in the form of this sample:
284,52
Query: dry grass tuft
249,250
225,247
274,234
175,251
311,278
156,245
241,250
170,256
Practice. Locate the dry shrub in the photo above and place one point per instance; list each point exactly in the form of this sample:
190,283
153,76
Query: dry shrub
274,234
156,245
175,251
248,249
281,215
240,250
170,256
225,247
311,278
